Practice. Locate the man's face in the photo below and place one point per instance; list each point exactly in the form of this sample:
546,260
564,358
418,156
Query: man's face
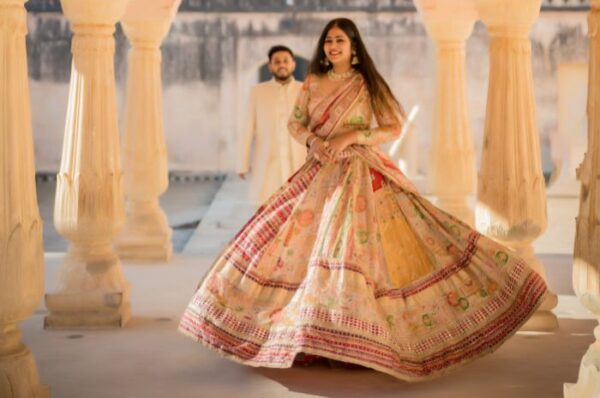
282,65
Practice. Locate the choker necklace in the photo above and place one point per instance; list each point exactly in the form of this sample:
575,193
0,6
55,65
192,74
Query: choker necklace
340,76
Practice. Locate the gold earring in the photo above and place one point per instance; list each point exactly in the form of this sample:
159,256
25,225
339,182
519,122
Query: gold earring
355,60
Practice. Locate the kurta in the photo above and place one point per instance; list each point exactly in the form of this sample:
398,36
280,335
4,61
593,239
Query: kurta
276,154
348,261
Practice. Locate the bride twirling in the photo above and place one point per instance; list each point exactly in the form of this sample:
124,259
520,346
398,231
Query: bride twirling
347,261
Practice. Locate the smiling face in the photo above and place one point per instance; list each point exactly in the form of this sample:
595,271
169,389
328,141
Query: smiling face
338,47
282,65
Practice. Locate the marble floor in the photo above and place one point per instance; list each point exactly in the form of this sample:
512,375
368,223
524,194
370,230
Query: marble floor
149,358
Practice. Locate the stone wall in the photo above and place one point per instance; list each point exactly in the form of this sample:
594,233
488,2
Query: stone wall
215,49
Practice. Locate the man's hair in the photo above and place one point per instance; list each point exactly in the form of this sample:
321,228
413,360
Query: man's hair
276,49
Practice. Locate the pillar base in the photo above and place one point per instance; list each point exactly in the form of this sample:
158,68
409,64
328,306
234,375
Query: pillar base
141,248
146,236
87,310
588,381
19,376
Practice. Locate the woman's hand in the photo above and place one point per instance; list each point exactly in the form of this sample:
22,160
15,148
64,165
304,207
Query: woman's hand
321,151
338,144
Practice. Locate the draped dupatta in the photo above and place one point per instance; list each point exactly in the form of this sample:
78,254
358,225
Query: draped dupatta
330,112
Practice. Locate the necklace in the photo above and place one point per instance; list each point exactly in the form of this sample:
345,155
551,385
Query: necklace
340,76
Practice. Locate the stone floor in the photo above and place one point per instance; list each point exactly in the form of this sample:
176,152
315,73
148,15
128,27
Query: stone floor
148,358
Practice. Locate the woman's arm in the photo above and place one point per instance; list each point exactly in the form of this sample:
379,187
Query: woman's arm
388,129
298,122
298,126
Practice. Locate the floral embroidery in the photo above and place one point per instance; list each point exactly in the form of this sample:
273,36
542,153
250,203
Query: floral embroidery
463,303
501,256
361,203
362,236
419,212
427,320
306,218
452,298
390,320
454,230
356,122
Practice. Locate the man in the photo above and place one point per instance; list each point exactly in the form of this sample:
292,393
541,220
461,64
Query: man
276,154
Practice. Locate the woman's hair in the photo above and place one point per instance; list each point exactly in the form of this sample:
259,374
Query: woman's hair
382,99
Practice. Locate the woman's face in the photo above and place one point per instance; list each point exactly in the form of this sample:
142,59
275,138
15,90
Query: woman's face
337,47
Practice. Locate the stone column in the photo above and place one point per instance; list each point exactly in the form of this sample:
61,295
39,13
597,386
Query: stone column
570,142
89,202
21,248
511,201
147,235
586,264
452,171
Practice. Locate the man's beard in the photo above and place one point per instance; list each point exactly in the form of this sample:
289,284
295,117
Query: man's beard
282,77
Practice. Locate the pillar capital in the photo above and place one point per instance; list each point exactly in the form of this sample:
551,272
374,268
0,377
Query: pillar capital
448,21
147,22
509,18
91,12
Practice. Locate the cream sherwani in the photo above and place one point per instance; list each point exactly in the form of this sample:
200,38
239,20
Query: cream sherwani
276,154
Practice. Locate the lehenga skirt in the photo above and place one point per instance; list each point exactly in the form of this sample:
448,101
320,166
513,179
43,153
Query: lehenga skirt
343,263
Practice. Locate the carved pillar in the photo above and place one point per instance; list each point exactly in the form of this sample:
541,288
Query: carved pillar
452,172
21,248
511,205
147,235
89,201
586,264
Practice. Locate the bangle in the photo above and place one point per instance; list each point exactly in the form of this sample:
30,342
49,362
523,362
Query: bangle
309,143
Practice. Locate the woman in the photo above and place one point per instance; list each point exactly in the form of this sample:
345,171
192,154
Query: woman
346,261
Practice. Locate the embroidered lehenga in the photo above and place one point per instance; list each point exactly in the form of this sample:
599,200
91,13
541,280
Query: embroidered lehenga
348,262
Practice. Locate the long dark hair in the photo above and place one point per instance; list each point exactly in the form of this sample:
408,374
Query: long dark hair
382,99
